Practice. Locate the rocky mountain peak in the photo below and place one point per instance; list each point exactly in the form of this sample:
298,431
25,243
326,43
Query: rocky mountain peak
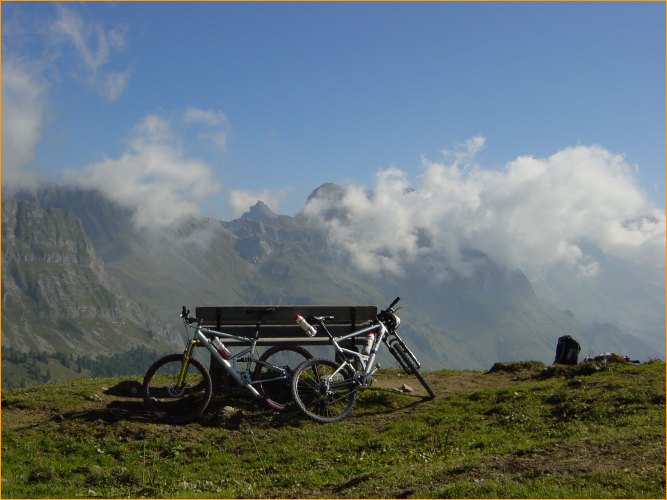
260,212
327,190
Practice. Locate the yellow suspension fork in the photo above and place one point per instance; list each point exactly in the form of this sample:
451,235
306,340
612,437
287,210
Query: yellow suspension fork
185,363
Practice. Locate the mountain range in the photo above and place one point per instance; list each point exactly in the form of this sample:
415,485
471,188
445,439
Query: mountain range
79,278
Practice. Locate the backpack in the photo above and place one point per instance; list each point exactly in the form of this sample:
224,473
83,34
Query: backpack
567,351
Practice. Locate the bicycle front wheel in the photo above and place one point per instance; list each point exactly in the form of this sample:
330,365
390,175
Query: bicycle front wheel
322,391
274,383
173,404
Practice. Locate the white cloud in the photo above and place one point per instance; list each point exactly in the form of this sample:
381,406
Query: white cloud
95,46
535,214
240,200
24,98
114,84
27,79
216,121
206,116
153,177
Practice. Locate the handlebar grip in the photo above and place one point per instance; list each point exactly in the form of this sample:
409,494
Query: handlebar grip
394,303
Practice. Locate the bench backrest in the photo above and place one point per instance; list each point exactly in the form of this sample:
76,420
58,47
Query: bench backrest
277,323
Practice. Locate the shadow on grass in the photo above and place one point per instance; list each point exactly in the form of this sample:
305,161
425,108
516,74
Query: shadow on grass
130,407
386,401
230,408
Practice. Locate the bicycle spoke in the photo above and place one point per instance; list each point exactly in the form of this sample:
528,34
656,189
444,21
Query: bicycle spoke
323,390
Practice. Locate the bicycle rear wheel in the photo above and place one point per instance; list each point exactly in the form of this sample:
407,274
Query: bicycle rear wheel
172,404
275,386
322,392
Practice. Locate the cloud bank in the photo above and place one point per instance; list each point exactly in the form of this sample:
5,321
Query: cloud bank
534,215
153,177
23,117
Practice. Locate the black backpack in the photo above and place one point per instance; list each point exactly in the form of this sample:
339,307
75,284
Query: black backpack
567,351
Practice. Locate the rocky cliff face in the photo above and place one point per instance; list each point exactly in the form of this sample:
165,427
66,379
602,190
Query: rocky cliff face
58,294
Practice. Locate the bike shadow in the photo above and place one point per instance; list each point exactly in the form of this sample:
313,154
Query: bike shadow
380,401
129,405
231,409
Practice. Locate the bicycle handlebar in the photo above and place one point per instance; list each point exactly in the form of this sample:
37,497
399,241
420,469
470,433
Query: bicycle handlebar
393,303
185,315
387,316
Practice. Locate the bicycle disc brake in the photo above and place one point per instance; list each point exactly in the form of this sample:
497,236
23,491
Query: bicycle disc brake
176,392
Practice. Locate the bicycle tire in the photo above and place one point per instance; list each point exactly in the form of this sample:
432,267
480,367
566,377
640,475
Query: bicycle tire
316,400
278,393
174,406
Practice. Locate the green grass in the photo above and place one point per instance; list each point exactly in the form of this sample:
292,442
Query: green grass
597,433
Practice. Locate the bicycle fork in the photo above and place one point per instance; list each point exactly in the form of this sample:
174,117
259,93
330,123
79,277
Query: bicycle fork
185,363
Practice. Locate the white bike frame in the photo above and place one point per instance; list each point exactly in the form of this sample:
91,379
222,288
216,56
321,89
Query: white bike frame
367,360
202,337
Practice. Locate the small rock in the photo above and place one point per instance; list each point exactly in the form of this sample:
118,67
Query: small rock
229,410
407,388
94,398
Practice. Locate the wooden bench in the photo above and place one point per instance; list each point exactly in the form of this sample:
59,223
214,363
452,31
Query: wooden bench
277,323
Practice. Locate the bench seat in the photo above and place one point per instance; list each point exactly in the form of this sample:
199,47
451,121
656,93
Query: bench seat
277,323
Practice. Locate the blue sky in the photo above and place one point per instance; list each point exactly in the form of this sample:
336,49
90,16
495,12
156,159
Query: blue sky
272,99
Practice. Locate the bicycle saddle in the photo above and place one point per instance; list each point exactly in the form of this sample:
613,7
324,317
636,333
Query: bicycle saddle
320,319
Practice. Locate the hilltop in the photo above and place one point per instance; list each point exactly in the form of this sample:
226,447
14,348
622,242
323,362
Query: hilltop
518,430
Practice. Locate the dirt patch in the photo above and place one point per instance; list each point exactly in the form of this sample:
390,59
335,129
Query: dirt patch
450,383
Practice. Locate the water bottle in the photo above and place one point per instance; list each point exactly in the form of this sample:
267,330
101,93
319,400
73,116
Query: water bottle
368,344
224,352
305,326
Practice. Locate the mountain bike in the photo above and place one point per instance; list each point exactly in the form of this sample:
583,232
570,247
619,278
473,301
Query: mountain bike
326,390
177,388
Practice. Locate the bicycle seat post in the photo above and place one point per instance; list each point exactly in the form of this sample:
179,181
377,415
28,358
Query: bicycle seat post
260,312
257,325
320,320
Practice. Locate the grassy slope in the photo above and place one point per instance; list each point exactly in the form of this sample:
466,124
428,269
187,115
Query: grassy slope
501,434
